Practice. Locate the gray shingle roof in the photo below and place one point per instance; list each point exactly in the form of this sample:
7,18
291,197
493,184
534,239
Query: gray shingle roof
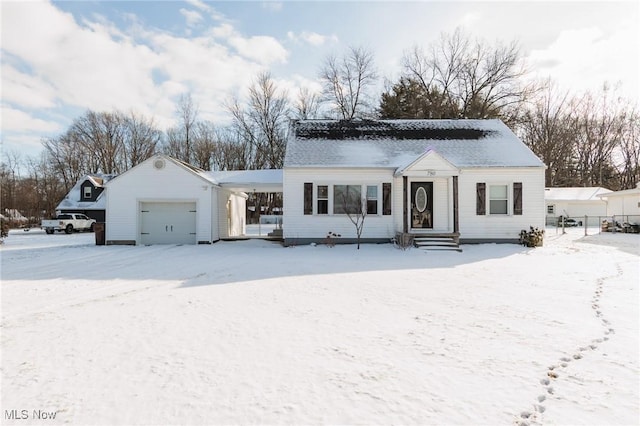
395,143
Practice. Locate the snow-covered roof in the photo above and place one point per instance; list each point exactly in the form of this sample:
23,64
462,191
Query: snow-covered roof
396,143
269,180
72,201
13,214
623,193
575,193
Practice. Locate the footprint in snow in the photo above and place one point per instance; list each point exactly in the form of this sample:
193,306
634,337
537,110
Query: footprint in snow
577,356
550,390
544,382
565,359
541,398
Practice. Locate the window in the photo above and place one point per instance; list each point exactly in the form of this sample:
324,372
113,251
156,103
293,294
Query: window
372,200
551,209
386,199
347,199
498,201
323,199
87,192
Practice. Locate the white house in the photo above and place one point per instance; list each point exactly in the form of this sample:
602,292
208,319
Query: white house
472,179
624,203
166,201
575,202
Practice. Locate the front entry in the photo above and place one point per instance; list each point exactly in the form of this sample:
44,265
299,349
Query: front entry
421,205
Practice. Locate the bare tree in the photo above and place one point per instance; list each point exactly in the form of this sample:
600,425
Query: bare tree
262,124
598,129
468,79
141,139
547,128
354,205
306,105
346,81
629,152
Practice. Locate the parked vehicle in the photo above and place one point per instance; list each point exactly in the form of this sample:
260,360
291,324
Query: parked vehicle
69,222
568,222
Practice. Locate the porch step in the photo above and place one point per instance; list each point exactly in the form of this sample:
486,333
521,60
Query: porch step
276,233
438,242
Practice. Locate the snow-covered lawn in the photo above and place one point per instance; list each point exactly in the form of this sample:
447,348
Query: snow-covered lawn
250,332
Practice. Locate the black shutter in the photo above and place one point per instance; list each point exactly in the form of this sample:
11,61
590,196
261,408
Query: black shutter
308,198
481,194
386,199
517,198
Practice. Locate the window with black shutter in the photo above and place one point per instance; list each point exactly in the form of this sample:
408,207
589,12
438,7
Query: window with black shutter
517,198
481,193
386,199
308,198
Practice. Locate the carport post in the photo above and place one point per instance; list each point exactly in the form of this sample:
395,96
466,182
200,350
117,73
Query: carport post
585,224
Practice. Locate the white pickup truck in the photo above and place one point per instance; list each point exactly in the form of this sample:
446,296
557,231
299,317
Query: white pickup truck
68,222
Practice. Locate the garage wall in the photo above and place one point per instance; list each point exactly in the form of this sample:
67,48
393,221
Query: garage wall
146,183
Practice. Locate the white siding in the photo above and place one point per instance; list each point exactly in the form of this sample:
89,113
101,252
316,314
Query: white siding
508,226
144,183
298,225
577,210
472,227
623,204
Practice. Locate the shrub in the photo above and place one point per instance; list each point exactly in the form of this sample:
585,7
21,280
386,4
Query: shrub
532,238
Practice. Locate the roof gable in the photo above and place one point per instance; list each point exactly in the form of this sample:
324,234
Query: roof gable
429,161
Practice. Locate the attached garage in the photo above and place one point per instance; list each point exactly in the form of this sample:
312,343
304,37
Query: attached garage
167,223
165,201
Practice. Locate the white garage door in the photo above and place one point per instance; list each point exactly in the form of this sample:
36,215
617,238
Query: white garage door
168,223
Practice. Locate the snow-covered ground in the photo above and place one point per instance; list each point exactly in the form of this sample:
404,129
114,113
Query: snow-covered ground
250,332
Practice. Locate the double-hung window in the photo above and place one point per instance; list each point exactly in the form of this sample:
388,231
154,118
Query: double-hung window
372,199
87,192
322,199
498,199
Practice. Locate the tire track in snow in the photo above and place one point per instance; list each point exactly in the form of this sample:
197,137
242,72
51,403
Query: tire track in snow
535,416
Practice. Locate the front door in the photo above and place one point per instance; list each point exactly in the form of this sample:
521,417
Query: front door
421,211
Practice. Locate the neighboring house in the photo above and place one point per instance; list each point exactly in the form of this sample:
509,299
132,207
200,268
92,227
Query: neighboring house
13,215
166,201
624,203
575,203
469,178
87,197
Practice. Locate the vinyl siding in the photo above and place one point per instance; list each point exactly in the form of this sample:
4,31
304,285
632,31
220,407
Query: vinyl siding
144,183
297,225
501,227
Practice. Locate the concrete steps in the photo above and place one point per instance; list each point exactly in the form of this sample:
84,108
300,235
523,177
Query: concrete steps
437,242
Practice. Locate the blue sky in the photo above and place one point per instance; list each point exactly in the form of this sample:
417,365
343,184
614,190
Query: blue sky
61,58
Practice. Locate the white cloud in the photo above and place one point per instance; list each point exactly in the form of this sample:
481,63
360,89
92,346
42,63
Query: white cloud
95,65
192,17
272,5
311,38
263,49
26,90
584,58
199,5
17,120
